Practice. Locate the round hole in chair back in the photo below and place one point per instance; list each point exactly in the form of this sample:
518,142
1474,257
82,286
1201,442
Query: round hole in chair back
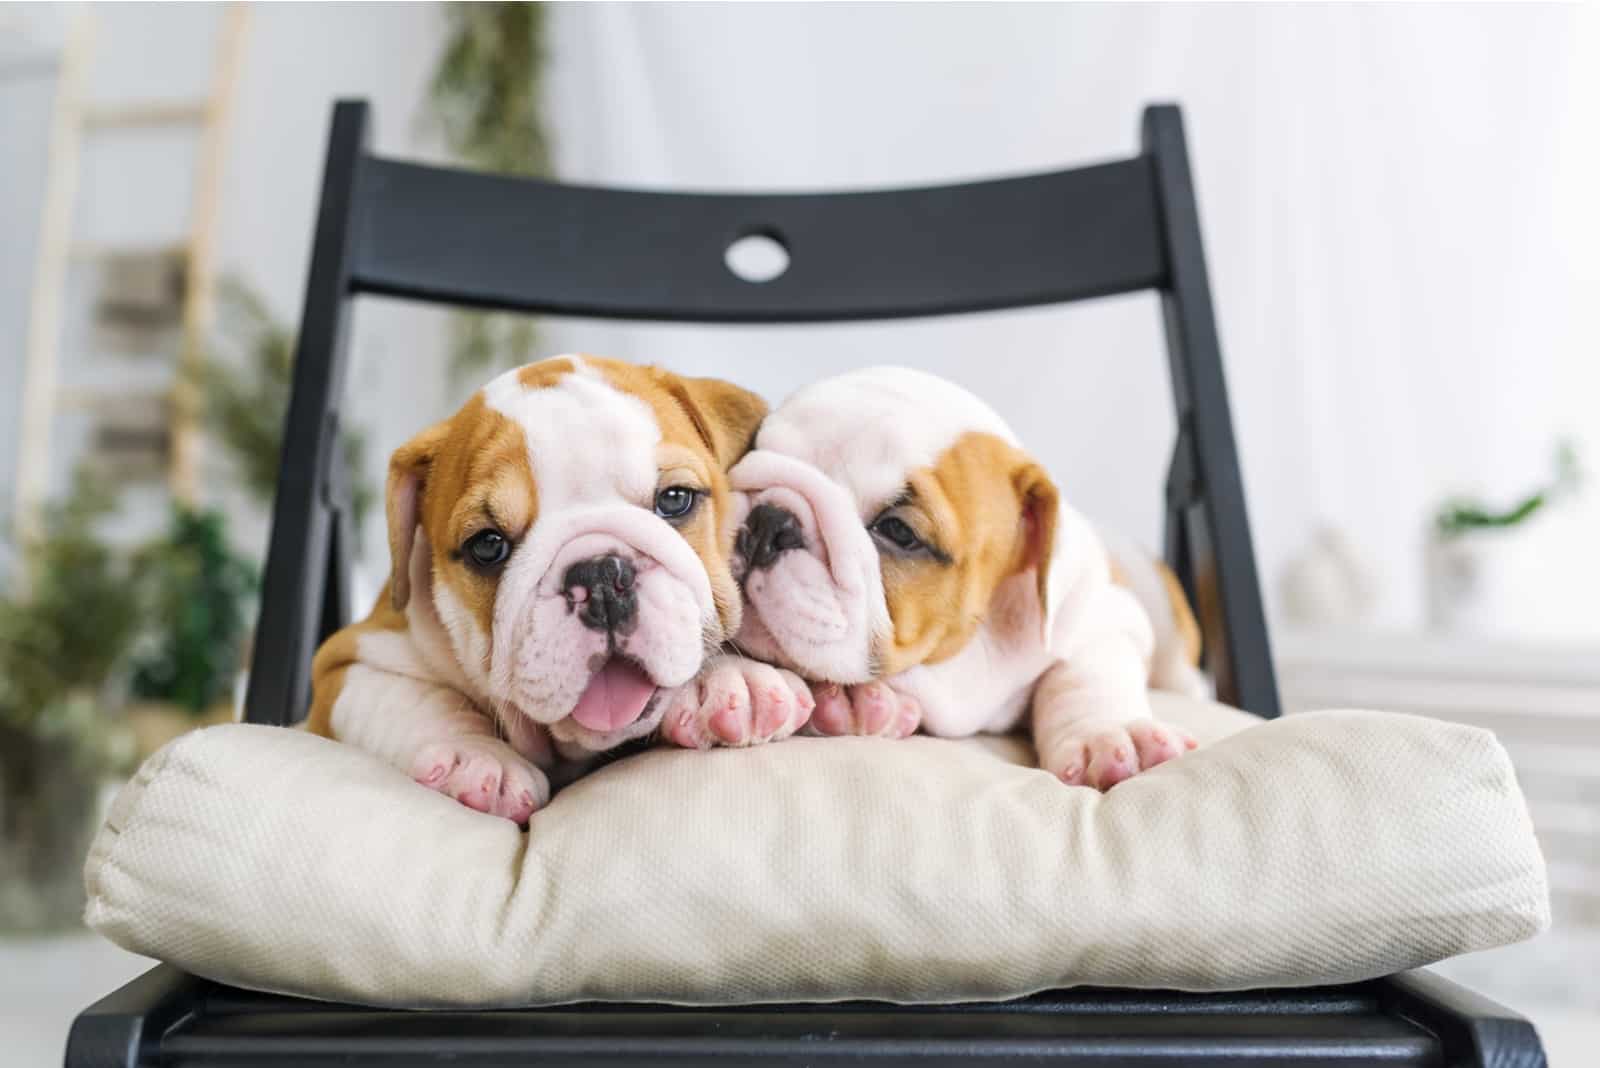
759,256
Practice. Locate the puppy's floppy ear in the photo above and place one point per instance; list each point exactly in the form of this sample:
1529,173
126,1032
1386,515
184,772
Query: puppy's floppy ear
1038,507
408,476
724,415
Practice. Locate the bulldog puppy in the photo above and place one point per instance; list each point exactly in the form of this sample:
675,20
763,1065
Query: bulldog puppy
559,570
902,546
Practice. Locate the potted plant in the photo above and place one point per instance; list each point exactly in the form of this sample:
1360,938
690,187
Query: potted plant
66,627
1468,538
198,593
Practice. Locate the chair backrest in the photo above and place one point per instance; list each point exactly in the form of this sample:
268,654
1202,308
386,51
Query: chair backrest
433,234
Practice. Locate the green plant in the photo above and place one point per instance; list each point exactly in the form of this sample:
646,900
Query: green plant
247,385
1460,516
485,89
69,625
485,97
65,632
199,593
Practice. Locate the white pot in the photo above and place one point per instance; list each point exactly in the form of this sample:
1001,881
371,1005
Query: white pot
1457,584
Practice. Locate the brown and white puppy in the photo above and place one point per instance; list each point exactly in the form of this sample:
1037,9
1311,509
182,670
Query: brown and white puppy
560,568
901,544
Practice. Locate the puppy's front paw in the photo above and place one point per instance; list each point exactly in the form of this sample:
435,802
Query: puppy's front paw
1102,753
484,774
736,701
873,709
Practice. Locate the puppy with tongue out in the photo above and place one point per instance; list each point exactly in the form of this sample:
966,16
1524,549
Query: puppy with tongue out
560,570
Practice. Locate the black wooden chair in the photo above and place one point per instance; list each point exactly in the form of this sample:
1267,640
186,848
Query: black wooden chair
407,230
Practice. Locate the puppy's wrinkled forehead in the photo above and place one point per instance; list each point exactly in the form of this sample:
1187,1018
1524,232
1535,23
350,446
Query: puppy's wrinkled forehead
587,440
868,429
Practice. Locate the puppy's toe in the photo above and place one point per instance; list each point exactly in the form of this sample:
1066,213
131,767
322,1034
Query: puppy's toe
1112,758
876,707
681,723
523,791
832,714
1156,742
780,702
908,719
725,705
1068,762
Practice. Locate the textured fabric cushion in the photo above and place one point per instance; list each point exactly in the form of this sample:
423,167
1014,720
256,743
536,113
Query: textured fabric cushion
1320,848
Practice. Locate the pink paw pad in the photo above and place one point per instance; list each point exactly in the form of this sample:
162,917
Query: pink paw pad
727,724
871,707
832,712
772,711
910,717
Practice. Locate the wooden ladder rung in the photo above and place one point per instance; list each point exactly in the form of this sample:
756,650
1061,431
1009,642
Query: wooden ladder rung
95,250
146,113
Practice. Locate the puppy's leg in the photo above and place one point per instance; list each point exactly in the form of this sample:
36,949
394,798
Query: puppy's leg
1091,717
736,701
873,709
441,740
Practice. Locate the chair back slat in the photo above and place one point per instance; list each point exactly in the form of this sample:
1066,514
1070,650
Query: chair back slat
467,238
434,234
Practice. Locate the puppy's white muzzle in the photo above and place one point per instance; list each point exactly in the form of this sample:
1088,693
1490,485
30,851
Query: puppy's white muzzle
819,608
591,675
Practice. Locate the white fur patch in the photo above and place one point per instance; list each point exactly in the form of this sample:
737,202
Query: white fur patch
587,440
868,429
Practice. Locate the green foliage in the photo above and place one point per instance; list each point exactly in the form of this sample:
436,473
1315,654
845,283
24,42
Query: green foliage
486,88
1459,516
199,592
485,96
66,632
247,385
247,396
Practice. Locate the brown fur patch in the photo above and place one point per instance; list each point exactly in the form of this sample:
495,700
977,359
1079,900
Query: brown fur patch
480,479
544,373
990,512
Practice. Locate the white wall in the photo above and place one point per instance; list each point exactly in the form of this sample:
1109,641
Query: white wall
135,188
1397,200
299,60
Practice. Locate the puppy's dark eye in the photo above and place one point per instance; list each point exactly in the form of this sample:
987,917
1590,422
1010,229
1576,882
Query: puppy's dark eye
896,532
486,549
676,502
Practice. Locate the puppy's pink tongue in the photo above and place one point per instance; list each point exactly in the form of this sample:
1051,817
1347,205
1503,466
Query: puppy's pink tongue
615,697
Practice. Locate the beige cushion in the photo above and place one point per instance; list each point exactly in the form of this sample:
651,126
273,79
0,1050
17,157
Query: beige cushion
1320,848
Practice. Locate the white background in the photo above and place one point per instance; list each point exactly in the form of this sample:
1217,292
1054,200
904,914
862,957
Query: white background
1396,202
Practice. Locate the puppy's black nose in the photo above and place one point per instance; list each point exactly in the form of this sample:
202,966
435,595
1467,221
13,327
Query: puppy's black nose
768,533
601,590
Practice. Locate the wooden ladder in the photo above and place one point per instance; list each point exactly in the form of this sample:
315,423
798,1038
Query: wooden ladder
74,118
